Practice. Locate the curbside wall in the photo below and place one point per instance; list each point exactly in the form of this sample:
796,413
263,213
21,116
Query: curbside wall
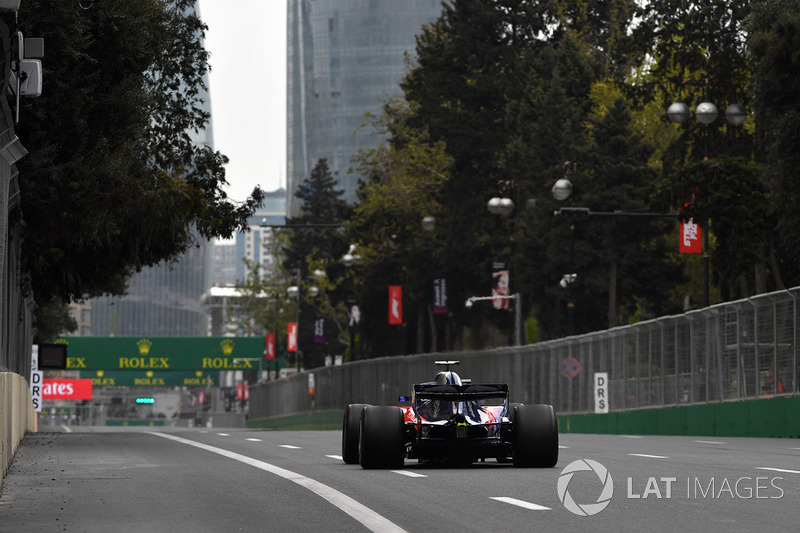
16,417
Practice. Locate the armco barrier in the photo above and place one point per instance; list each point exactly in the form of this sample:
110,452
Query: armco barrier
16,416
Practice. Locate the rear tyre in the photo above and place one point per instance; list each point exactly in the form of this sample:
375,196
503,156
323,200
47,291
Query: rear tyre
381,443
352,417
535,436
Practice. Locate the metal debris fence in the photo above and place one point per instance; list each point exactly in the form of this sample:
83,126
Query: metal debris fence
739,350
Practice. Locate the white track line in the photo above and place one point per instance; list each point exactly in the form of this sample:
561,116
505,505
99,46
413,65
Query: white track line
337,457
408,473
708,442
648,456
631,436
66,429
224,434
520,503
253,440
563,447
778,470
289,446
366,516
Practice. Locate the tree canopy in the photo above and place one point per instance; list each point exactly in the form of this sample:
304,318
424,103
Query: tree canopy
113,181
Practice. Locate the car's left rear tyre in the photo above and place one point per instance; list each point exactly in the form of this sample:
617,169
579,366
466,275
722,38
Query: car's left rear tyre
350,429
381,440
535,436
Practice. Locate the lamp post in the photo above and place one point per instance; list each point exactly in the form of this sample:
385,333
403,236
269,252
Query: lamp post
706,113
295,292
517,297
349,259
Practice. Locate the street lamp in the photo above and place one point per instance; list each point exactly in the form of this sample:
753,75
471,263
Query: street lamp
295,292
517,311
706,113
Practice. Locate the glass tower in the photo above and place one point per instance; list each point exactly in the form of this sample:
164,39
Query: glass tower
344,58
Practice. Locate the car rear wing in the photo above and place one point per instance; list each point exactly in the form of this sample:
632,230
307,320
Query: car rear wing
460,393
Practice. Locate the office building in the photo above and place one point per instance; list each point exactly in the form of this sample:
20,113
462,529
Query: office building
345,57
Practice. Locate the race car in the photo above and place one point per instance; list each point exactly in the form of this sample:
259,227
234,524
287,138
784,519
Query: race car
451,421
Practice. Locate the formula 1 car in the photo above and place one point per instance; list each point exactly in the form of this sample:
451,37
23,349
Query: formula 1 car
451,421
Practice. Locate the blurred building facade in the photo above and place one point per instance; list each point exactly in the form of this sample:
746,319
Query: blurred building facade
344,58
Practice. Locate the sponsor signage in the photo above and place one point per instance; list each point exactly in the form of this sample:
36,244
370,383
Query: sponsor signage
162,353
67,389
690,238
270,346
291,337
161,378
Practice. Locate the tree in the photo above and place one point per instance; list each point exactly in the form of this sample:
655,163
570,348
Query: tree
113,182
775,44
318,247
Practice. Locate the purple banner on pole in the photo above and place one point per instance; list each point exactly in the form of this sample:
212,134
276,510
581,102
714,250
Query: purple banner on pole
319,330
440,296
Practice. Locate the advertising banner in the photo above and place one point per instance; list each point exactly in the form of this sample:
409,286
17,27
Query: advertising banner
395,305
162,353
67,389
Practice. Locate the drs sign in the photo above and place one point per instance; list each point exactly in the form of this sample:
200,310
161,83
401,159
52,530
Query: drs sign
601,392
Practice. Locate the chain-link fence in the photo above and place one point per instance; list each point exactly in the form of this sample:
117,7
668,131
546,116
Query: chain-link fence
739,350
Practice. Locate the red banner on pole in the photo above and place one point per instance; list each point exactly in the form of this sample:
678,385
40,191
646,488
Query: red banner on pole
395,305
691,234
291,341
67,389
270,346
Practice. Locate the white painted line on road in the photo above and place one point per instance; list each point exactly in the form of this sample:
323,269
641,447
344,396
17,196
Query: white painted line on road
520,503
253,440
66,429
648,456
708,442
563,447
778,470
794,448
631,436
224,434
337,457
369,518
289,446
408,473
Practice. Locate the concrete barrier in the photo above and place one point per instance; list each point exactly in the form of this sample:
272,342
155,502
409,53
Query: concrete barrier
16,417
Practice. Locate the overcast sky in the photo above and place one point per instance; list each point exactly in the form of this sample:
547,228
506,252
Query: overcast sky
247,42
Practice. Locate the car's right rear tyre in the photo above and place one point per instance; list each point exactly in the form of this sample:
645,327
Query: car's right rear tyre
382,444
535,436
350,429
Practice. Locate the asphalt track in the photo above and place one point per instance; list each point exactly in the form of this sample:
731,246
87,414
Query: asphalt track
132,479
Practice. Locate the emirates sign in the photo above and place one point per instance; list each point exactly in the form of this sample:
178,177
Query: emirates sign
67,389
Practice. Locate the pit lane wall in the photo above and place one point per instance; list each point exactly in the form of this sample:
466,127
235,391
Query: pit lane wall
16,416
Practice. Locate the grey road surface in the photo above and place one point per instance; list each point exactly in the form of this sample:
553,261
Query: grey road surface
171,480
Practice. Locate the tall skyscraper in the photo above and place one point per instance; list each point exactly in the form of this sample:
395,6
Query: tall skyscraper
344,58
164,300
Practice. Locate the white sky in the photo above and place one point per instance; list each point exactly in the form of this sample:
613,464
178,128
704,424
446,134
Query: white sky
247,42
